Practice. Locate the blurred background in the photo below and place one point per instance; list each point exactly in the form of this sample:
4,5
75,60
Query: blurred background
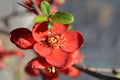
98,20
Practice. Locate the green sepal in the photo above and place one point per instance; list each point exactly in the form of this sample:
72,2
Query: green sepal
62,17
40,18
50,26
45,7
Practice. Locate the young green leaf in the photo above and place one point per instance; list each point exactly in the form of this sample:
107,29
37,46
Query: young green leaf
45,7
40,18
63,17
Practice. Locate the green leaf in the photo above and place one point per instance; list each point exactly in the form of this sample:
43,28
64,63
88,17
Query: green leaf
70,27
45,7
50,26
40,18
63,17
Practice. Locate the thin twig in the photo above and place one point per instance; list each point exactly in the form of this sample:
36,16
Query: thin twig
102,70
35,7
95,74
25,6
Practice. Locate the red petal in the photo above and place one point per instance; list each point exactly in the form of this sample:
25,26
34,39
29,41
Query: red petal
22,37
75,57
51,76
39,31
31,71
72,58
42,50
71,71
72,40
59,28
79,58
38,63
58,58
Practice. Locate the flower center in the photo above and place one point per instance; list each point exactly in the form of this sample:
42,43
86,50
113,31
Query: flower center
51,69
53,40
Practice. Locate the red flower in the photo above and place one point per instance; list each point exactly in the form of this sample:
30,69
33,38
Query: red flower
49,71
55,44
22,38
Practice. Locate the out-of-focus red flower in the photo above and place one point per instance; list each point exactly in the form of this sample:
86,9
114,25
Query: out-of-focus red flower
57,43
4,54
52,2
22,38
16,53
7,53
27,2
53,7
59,2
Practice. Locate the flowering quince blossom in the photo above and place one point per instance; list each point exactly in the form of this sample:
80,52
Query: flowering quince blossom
55,44
50,72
